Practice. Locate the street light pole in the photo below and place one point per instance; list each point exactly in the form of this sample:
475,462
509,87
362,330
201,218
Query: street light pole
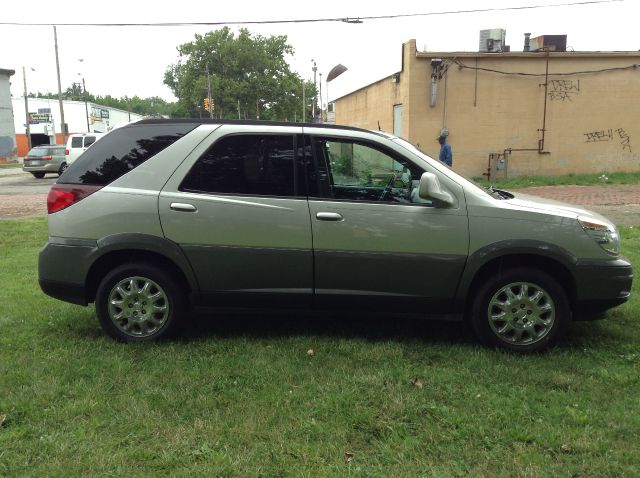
335,72
84,90
63,125
315,94
321,114
26,109
304,103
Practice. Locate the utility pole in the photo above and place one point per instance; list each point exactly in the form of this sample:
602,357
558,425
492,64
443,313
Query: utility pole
63,126
209,93
321,113
86,107
26,109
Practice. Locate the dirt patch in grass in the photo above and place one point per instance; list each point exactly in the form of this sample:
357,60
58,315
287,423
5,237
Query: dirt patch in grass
22,205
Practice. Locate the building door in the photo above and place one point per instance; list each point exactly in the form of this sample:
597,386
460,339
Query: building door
397,120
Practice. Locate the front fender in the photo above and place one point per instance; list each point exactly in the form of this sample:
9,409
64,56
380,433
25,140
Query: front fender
510,249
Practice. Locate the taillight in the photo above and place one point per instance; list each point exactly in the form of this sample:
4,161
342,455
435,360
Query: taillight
46,158
62,196
66,152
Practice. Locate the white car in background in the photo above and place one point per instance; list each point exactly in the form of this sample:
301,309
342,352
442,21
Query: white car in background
78,143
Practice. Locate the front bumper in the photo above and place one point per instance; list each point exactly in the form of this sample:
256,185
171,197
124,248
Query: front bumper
601,285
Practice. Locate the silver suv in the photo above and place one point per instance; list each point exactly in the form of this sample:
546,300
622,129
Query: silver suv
165,216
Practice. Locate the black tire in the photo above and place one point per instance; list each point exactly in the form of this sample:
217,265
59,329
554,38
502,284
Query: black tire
39,175
63,166
140,316
522,310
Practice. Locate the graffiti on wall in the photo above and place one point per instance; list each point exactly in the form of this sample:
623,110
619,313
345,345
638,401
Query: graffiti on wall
563,90
610,135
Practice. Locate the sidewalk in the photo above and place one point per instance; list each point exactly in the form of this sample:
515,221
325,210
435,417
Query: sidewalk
12,171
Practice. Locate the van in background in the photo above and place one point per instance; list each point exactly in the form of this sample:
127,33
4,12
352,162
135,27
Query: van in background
78,144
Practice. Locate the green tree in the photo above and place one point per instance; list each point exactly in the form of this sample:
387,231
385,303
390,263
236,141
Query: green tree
248,72
152,106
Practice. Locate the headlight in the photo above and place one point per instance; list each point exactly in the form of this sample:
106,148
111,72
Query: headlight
603,233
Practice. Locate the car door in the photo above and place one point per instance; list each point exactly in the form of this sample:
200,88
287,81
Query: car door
238,210
377,246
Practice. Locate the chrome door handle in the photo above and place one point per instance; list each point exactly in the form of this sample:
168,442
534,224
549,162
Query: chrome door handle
329,216
182,207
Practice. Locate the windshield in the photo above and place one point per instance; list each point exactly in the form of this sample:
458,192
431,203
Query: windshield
460,179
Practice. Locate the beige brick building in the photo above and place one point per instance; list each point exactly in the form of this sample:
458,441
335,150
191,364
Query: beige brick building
543,113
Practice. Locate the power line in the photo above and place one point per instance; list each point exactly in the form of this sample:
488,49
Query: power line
312,20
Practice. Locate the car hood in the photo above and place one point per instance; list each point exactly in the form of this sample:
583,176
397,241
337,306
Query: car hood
550,206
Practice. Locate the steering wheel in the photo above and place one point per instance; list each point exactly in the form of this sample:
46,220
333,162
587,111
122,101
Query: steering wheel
388,187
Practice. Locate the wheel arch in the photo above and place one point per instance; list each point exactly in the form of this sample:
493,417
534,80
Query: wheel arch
131,248
487,262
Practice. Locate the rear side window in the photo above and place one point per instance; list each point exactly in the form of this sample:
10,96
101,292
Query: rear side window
76,142
253,165
123,150
89,140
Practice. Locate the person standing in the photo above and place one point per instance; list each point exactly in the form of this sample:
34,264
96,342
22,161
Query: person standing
446,156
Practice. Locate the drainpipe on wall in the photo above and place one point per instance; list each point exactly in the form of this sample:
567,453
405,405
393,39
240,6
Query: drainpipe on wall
436,66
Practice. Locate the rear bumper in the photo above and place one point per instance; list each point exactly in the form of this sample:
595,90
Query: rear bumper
74,293
43,168
601,285
62,270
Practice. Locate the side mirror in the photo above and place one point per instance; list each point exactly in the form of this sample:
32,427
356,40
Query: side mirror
429,188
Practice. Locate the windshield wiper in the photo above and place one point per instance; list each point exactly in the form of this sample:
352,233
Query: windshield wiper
499,193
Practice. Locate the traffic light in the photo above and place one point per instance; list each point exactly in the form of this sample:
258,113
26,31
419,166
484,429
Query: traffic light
206,104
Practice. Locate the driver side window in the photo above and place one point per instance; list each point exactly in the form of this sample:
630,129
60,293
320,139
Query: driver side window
359,172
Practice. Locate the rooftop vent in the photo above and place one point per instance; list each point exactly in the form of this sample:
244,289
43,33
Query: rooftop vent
549,43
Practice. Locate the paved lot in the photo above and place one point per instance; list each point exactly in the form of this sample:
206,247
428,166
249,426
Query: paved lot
618,202
22,195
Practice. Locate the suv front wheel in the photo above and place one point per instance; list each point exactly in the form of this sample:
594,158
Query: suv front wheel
522,310
139,302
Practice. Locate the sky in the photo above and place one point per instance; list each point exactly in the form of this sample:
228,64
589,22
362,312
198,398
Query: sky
129,61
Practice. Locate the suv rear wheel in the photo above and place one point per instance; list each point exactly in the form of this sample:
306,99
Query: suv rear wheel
139,302
522,310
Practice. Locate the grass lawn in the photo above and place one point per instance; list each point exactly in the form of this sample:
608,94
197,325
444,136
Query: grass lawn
10,165
579,179
241,396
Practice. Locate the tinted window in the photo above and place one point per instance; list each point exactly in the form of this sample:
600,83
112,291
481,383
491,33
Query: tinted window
76,142
123,150
259,165
89,140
